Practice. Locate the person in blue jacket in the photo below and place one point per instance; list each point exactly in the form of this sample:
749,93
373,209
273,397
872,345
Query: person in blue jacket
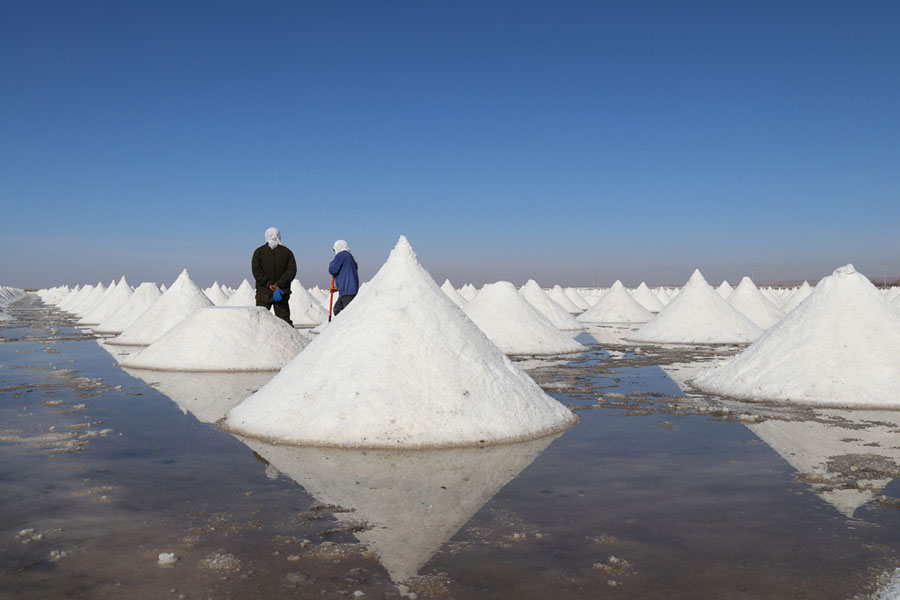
346,275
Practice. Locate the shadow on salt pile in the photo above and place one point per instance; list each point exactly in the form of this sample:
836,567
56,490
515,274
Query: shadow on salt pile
405,504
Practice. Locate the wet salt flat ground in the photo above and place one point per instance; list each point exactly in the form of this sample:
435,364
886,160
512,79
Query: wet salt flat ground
653,494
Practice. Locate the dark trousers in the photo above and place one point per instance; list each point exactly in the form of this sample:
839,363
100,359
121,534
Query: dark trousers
282,309
342,303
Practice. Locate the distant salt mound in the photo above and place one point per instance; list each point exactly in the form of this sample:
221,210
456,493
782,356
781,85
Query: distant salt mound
222,338
647,298
698,315
423,376
725,289
795,299
306,311
838,348
515,325
137,304
244,295
577,299
451,292
558,295
115,298
750,301
468,292
174,306
91,294
216,295
560,317
69,298
616,306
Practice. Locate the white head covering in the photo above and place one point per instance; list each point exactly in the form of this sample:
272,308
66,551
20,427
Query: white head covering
273,237
340,246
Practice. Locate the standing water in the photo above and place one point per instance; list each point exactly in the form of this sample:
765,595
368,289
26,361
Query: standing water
119,485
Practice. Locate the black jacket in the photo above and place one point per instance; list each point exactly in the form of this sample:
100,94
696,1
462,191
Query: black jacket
273,266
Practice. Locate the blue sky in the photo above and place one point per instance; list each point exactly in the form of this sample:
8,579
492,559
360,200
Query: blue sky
571,142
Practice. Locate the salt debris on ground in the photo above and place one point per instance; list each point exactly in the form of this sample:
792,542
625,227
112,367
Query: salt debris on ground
647,298
451,292
222,338
838,348
306,310
137,304
698,315
244,295
616,306
166,559
174,306
747,298
559,316
424,376
515,325
558,295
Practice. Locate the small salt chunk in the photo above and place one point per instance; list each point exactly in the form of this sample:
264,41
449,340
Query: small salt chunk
167,559
358,594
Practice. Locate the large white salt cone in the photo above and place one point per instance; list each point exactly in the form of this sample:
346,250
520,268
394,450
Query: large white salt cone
616,306
698,315
558,295
215,294
647,298
747,298
455,296
839,347
175,305
515,325
223,338
142,299
401,366
306,310
559,316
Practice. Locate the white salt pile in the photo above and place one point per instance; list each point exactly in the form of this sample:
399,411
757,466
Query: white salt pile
451,292
423,376
799,295
747,298
560,317
244,295
647,298
616,306
558,295
89,296
515,325
576,298
216,295
174,306
222,338
468,292
725,289
137,304
838,348
306,311
698,315
116,297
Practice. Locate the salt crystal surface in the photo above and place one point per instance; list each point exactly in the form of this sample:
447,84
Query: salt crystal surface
616,306
222,338
559,316
175,305
838,348
698,315
423,375
515,325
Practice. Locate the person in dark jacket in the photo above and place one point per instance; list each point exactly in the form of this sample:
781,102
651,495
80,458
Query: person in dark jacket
346,275
274,268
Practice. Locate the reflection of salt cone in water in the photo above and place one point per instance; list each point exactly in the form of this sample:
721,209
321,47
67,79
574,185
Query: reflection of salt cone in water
207,396
414,501
809,447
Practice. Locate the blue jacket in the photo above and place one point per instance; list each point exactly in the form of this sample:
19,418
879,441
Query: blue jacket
346,277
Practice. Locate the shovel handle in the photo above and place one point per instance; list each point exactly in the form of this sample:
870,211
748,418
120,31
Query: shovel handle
331,299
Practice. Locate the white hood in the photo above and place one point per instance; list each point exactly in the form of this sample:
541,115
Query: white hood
340,246
273,237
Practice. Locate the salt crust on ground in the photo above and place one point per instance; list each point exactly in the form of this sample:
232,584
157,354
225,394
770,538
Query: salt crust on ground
838,348
137,304
698,315
306,311
414,501
174,306
223,338
559,316
558,295
616,306
244,295
747,298
515,325
423,375
451,292
647,298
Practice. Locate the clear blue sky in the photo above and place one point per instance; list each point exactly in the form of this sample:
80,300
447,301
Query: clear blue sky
571,142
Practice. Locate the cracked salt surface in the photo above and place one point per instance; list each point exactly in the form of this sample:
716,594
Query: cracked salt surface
656,492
